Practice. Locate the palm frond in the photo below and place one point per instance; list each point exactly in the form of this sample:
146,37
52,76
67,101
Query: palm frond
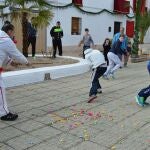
144,24
43,18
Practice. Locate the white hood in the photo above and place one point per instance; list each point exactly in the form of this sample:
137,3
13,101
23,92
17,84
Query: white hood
95,57
8,50
3,36
89,50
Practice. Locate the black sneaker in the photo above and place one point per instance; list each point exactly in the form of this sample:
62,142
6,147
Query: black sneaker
9,117
53,56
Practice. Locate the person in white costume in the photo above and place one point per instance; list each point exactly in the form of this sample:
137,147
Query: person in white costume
8,53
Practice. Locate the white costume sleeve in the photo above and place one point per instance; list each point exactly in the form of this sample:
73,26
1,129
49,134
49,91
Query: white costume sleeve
14,53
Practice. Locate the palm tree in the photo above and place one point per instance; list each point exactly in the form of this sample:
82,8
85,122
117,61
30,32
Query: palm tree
144,25
40,9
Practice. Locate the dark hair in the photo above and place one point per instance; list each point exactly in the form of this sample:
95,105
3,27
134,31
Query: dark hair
58,22
7,27
7,22
122,35
109,41
86,29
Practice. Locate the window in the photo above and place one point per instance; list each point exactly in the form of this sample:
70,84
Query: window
77,2
76,26
121,6
117,26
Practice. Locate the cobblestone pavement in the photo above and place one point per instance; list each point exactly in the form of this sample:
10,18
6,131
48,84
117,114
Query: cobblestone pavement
55,115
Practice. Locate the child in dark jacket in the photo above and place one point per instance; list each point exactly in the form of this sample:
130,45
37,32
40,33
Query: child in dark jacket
144,93
113,57
106,47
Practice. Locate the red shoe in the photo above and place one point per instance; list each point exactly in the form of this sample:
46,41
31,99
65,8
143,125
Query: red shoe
91,98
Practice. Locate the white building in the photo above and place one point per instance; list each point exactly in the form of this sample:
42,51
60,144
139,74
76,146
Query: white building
97,15
101,25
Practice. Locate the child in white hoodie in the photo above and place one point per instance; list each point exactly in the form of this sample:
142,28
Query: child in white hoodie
8,52
99,66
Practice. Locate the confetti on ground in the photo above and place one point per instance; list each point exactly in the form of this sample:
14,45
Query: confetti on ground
113,148
86,135
148,141
30,142
62,140
90,114
50,124
122,126
80,117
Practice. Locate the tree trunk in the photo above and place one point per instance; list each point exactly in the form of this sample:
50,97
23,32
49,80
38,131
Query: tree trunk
25,36
137,26
142,37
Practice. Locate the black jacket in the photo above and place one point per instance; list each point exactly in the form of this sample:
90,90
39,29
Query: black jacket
116,48
56,32
31,30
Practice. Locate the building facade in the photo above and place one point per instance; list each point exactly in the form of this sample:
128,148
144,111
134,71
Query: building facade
103,18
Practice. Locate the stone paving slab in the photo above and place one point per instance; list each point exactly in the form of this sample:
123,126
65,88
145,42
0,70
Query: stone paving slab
23,142
65,141
45,146
8,133
28,126
5,147
54,114
88,146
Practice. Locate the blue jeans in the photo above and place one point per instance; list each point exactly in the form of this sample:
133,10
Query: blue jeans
145,92
96,74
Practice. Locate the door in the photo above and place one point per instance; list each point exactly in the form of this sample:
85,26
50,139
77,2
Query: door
117,27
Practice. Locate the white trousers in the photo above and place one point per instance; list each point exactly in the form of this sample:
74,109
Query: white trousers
114,63
3,103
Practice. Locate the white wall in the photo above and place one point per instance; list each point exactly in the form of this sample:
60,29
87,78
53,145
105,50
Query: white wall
147,36
97,24
108,4
148,3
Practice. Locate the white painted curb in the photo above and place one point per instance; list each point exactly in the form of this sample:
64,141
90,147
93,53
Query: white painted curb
16,78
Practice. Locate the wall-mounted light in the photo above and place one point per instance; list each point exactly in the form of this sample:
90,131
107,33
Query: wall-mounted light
109,29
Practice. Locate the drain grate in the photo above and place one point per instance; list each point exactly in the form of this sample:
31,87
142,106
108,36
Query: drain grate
47,76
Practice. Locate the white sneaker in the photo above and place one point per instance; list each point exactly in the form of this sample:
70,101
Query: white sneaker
99,91
112,75
105,77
